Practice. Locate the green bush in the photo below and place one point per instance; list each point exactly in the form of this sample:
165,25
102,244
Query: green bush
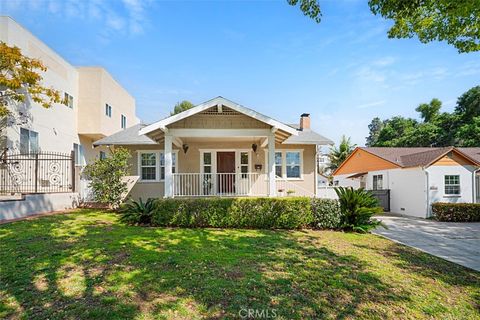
259,213
357,207
137,212
456,212
326,214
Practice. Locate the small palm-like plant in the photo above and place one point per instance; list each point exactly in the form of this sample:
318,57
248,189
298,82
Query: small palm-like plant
357,207
137,212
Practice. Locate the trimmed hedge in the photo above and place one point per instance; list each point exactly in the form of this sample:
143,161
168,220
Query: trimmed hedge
259,213
456,212
326,214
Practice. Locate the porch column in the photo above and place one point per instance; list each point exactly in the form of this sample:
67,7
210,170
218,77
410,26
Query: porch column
168,186
271,164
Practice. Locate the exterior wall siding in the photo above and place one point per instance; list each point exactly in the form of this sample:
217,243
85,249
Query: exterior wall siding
437,183
362,161
198,121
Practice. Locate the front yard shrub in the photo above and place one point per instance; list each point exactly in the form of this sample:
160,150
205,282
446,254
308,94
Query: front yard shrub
258,213
357,207
137,212
456,212
326,214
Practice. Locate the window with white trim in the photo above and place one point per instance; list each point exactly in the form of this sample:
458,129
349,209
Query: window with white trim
108,110
162,164
123,121
278,164
244,164
207,162
452,185
293,164
68,100
28,141
148,166
378,182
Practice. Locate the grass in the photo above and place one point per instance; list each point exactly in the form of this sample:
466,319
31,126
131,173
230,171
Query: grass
86,265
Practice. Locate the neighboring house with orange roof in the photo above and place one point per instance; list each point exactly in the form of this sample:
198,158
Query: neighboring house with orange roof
415,177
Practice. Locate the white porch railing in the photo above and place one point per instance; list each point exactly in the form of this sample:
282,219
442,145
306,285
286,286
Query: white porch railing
326,192
219,184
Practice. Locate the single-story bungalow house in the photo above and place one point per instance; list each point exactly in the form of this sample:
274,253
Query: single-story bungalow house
416,177
220,148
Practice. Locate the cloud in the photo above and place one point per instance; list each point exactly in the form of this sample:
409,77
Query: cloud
371,104
383,62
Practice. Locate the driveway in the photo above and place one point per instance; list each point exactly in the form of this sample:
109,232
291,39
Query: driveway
452,241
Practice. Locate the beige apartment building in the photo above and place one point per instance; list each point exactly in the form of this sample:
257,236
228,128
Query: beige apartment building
96,104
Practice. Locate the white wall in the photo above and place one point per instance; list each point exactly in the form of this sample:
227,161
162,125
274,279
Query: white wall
437,183
36,204
56,127
408,192
344,181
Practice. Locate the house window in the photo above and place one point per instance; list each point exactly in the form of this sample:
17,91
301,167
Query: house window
293,164
123,122
28,141
79,154
452,185
68,100
162,164
108,110
148,166
207,162
244,164
102,155
278,164
378,182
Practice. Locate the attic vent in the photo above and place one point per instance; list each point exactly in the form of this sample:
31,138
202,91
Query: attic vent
225,112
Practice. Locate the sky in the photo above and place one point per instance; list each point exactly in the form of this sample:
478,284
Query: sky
264,55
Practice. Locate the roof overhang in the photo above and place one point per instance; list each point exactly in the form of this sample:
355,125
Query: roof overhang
162,124
357,175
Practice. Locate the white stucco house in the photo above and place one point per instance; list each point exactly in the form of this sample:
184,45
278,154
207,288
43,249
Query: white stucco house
415,177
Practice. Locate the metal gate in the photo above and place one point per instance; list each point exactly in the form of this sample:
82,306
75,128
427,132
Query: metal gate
383,197
43,172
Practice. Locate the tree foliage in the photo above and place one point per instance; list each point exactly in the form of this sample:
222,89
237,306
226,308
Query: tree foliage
455,21
20,79
439,129
338,154
182,106
107,177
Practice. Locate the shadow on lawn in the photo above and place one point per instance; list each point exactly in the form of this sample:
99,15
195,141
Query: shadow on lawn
77,266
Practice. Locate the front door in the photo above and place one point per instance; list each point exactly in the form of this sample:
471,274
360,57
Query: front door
226,172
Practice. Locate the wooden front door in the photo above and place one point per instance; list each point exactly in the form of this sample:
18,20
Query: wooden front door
226,172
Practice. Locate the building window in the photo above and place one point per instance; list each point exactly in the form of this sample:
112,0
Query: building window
207,162
123,122
278,164
28,141
162,164
79,154
148,166
378,182
452,185
102,155
293,164
244,164
108,110
68,100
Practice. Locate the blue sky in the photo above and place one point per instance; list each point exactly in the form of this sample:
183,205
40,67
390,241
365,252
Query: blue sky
263,54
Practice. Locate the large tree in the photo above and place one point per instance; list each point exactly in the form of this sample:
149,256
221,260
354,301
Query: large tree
182,106
21,79
339,154
429,111
374,129
455,21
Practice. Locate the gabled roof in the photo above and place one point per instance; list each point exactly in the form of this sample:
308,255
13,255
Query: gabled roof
162,124
128,136
307,136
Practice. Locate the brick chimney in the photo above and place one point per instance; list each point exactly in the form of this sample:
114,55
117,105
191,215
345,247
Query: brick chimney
305,121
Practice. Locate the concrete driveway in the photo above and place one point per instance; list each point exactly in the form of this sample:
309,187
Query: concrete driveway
452,241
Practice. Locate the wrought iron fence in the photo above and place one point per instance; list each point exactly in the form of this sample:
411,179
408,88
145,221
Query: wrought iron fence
43,172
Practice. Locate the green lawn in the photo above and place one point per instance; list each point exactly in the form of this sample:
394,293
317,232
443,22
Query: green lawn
88,265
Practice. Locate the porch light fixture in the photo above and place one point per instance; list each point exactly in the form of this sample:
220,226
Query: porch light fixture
254,147
185,148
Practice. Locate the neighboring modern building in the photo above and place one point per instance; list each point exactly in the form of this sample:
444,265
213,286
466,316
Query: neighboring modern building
416,177
95,104
220,148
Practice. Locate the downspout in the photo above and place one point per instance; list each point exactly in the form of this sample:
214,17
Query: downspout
474,184
427,185
316,171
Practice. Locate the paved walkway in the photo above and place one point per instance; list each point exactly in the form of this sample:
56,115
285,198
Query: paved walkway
452,241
